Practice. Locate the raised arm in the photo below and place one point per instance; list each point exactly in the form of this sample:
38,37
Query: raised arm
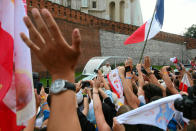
140,80
131,98
168,81
99,116
86,105
60,59
151,75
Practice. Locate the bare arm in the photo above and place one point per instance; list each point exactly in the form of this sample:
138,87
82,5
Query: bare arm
103,80
103,94
140,80
131,98
86,105
47,38
151,76
168,81
99,116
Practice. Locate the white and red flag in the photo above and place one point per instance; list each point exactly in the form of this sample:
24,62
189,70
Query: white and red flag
174,60
17,102
184,84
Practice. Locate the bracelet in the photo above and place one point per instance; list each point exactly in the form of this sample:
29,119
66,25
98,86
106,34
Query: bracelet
128,77
44,104
165,73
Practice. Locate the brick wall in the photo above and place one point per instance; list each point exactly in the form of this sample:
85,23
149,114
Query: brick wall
68,19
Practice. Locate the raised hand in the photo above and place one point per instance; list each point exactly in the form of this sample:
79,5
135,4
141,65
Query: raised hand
138,67
129,62
50,47
147,63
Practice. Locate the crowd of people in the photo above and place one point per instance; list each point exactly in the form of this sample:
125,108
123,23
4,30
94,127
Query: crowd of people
93,107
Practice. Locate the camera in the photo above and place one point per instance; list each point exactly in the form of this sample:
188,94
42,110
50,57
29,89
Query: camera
47,86
187,105
37,84
85,84
96,71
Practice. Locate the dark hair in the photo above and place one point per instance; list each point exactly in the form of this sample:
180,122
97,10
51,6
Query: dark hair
154,98
168,93
151,90
124,109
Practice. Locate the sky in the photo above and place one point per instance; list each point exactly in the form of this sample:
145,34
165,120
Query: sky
179,14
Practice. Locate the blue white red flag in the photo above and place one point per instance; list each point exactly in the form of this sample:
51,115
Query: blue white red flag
140,34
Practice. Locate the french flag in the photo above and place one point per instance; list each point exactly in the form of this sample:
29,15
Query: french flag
140,34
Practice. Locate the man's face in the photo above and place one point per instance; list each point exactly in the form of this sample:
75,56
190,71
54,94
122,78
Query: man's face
107,64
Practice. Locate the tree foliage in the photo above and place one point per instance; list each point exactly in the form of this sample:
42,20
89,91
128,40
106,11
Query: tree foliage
191,32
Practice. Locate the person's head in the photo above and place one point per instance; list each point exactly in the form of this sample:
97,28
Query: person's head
107,64
151,90
123,109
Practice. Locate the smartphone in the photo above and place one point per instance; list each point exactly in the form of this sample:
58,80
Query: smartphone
85,84
169,69
179,66
46,90
95,70
127,69
177,73
47,86
38,86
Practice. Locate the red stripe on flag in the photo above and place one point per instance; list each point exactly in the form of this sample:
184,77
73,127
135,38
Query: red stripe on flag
183,87
6,61
8,119
113,89
137,36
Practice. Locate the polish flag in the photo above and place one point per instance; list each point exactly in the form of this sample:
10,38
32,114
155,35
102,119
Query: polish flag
140,34
174,60
17,102
184,84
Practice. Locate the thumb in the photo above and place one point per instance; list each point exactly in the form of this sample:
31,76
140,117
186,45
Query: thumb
76,40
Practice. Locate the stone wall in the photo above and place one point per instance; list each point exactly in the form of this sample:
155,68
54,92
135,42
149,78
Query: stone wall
159,51
99,36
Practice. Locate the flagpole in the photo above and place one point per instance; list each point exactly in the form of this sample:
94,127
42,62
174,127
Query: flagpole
147,34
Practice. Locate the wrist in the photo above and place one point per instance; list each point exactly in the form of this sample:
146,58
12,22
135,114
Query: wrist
69,76
148,70
95,91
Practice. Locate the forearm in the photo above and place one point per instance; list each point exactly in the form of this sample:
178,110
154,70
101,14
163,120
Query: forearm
86,106
132,100
103,94
99,116
169,84
30,125
140,79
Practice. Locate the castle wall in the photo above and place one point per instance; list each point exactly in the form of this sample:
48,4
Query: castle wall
94,30
112,44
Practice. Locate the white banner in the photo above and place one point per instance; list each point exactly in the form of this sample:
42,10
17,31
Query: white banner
157,113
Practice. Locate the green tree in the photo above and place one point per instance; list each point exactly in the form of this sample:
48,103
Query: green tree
191,32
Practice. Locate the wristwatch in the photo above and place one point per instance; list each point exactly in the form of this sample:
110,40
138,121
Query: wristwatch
59,86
